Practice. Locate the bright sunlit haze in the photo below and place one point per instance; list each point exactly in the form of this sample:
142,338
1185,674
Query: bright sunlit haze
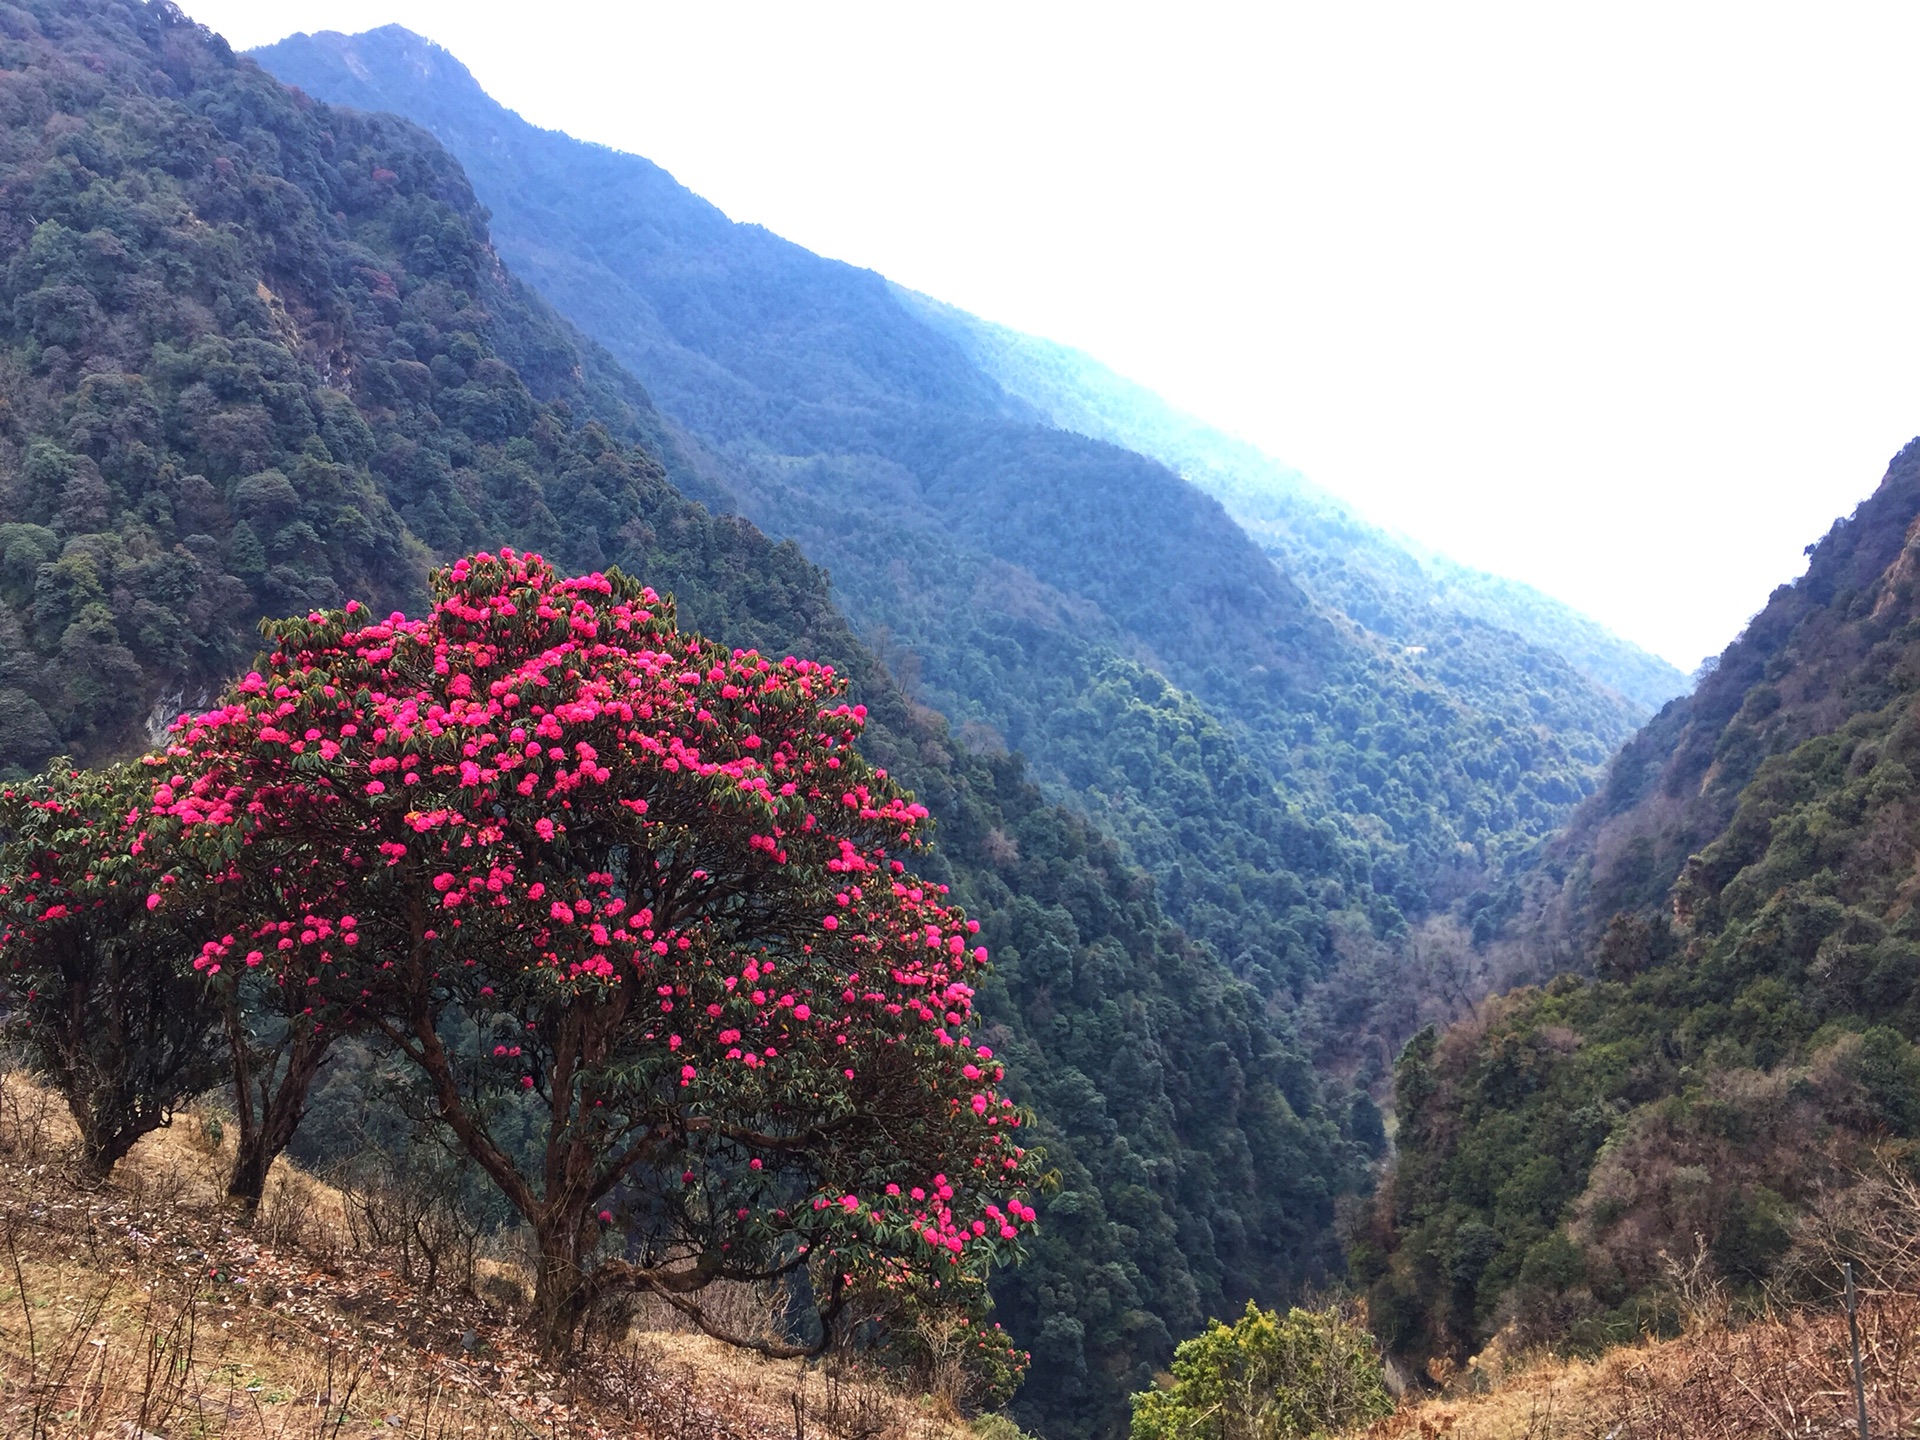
1618,304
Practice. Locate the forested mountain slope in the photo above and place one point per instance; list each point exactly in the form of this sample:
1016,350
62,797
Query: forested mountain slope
1285,774
1392,588
1735,915
1824,649
258,355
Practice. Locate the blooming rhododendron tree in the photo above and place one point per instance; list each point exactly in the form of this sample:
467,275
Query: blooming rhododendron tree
595,873
98,989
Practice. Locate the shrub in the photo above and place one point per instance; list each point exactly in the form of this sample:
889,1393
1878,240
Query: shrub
1267,1377
99,992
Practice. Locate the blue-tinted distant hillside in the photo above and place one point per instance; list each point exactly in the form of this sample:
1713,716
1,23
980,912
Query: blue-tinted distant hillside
1394,589
1273,762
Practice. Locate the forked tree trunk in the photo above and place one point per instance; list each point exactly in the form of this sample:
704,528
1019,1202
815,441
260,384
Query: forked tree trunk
267,1120
248,1181
103,1146
562,1291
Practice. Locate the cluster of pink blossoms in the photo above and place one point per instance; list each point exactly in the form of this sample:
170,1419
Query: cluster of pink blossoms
543,793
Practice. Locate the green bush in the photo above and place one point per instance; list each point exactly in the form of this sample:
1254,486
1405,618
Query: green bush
1268,1377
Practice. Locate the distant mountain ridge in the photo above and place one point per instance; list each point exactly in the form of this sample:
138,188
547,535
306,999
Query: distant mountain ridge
1394,588
1275,764
990,367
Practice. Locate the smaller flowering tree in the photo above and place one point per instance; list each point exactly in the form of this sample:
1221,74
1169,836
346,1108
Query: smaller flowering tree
604,880
939,1337
98,987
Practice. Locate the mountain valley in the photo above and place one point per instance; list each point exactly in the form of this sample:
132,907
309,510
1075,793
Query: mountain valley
1361,925
1296,781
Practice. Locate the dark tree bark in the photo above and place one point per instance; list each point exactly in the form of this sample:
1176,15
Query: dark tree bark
134,1040
271,1082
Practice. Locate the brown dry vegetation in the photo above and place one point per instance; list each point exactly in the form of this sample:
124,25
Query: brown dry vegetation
1784,1372
147,1310
1780,1377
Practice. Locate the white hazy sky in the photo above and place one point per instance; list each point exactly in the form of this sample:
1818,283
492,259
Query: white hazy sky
1621,300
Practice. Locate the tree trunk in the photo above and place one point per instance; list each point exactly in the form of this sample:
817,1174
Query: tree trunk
248,1181
269,1129
561,1290
102,1147
97,1160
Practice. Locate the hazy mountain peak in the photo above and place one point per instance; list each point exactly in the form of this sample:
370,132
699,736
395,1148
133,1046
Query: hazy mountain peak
429,60
1013,563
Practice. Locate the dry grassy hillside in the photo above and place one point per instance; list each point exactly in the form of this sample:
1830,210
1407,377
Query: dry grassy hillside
145,1310
1783,1377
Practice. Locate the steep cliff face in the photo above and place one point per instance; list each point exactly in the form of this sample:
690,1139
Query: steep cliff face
1829,646
1730,1038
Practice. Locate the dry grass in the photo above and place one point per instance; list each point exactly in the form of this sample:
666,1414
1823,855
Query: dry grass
1530,1398
1787,1377
762,1394
1787,1374
148,1310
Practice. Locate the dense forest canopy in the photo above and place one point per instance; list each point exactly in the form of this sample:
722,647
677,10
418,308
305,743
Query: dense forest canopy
260,356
